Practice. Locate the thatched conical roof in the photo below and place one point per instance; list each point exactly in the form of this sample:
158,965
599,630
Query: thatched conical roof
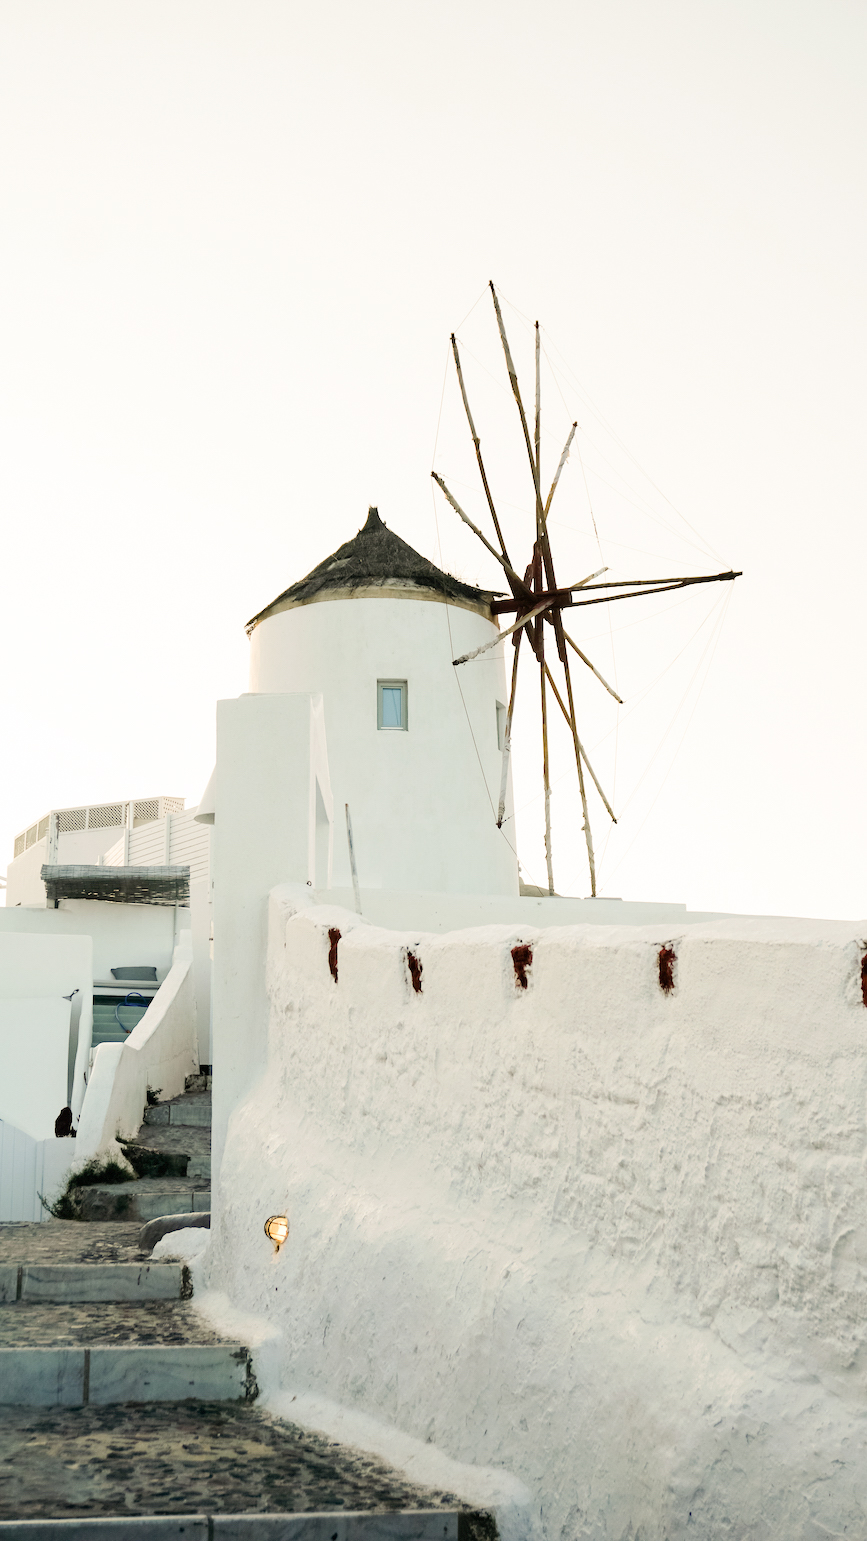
376,563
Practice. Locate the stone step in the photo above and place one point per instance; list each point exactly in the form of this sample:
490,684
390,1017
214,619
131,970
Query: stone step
199,1083
191,1143
71,1355
155,1161
74,1283
412,1525
194,1108
73,1376
140,1201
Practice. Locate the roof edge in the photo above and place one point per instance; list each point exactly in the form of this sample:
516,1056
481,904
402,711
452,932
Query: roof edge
399,589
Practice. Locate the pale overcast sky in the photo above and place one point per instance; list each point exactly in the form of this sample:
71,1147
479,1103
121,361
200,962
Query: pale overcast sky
234,240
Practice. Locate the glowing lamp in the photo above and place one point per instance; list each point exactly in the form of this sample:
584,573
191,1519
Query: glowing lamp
277,1230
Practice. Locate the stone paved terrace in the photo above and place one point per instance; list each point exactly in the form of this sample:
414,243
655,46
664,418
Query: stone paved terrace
191,1458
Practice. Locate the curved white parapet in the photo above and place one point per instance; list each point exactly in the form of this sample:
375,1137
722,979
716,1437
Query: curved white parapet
160,1052
82,1056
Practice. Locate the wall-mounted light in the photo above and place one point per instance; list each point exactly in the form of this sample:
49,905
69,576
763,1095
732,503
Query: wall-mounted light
277,1230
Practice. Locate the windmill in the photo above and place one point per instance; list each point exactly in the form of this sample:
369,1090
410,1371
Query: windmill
538,601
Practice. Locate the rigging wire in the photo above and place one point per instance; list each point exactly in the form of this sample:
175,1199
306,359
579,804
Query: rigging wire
714,639
607,426
463,323
589,502
646,509
634,703
642,506
588,402
711,645
637,501
642,619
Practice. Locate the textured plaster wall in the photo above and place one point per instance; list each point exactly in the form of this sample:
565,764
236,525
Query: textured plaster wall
610,1240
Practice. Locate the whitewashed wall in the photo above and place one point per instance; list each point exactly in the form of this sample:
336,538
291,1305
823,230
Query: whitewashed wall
422,801
611,1240
270,780
119,934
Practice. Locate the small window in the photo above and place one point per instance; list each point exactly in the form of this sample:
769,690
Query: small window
391,705
501,725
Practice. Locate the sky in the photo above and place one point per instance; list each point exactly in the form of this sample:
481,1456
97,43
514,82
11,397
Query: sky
234,241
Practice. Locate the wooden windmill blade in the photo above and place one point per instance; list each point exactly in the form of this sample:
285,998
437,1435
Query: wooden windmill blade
543,549
537,601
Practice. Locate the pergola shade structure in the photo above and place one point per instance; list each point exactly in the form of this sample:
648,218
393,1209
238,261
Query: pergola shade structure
119,885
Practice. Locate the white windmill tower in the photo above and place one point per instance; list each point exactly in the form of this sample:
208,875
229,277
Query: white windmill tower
413,749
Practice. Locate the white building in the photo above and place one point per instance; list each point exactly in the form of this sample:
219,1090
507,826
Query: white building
76,836
97,900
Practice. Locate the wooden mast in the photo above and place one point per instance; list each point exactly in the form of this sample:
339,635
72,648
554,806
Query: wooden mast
507,736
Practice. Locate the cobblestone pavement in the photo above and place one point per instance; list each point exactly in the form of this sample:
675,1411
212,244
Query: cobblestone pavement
70,1241
185,1458
26,1325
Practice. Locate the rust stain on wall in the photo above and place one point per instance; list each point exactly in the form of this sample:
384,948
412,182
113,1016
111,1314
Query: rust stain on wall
667,960
414,965
522,958
334,938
